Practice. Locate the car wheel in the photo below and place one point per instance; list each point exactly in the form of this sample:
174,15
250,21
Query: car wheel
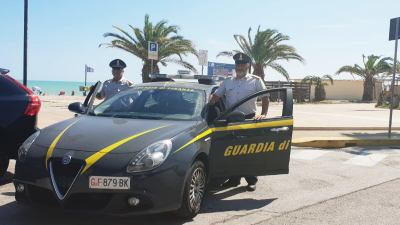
3,165
194,191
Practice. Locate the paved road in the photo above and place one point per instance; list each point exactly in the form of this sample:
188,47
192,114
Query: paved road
375,205
328,181
338,115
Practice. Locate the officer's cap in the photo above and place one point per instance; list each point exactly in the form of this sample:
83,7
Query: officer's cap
241,58
118,64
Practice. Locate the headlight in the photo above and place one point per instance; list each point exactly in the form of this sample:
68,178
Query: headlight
151,157
23,150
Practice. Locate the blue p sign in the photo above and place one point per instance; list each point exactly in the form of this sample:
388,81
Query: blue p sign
153,47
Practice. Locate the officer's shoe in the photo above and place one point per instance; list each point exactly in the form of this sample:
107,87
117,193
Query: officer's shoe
251,187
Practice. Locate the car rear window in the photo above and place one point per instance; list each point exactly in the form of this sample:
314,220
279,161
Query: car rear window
8,88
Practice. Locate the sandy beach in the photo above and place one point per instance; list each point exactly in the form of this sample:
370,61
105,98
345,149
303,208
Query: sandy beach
55,109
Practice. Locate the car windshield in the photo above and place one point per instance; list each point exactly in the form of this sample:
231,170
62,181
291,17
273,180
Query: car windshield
169,103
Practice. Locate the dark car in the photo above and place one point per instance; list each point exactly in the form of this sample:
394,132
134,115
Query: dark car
18,114
149,149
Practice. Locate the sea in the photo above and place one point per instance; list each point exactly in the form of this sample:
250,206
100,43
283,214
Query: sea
55,87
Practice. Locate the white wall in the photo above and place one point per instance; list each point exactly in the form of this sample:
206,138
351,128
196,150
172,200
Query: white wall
346,90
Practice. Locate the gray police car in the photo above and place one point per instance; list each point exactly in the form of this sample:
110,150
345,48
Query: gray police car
152,148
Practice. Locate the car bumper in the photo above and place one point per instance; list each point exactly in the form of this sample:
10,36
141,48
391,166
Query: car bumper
157,191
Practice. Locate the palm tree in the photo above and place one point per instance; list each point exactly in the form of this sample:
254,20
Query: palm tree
265,50
390,73
169,44
319,83
373,67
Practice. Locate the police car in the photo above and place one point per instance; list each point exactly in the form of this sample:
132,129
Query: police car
152,148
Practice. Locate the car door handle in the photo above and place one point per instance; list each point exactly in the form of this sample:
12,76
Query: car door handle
280,129
236,136
240,136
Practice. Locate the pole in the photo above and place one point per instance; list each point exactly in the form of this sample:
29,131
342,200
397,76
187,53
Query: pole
394,75
202,67
84,93
25,78
151,68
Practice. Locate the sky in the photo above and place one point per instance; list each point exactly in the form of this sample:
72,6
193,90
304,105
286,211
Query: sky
64,35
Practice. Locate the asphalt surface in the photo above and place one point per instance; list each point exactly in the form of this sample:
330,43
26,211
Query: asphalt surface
375,205
348,186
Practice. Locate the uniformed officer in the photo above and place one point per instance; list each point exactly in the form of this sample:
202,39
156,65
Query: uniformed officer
236,89
117,84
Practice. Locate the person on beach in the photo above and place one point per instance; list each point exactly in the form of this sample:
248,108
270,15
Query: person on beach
236,89
117,83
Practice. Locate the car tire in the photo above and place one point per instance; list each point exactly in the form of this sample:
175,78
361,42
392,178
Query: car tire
195,187
3,165
21,198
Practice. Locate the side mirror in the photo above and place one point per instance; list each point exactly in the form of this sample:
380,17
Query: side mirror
236,117
76,107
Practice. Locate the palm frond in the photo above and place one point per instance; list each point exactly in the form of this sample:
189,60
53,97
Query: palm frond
328,77
126,34
356,69
170,43
265,48
182,63
278,68
309,79
226,53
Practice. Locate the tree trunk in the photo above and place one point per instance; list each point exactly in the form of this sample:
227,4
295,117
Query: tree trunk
146,70
368,89
320,94
396,101
259,70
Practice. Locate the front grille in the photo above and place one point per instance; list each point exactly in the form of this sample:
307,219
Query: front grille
88,201
63,176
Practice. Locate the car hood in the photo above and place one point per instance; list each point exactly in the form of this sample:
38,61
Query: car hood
93,134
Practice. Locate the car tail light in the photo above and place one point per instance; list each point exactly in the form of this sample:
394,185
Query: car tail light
34,102
33,105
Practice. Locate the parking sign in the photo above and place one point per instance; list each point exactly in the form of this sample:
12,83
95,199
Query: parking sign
153,50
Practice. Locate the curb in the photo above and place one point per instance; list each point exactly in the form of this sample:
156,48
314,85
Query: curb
341,128
343,142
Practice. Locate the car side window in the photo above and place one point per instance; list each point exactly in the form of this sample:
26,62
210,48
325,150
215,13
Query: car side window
123,103
280,106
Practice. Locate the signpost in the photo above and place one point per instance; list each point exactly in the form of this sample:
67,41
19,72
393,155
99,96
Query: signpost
394,34
152,53
87,69
203,59
25,75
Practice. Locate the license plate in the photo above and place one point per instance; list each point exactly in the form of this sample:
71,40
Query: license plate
100,182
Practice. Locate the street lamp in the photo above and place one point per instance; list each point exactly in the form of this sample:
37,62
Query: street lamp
25,79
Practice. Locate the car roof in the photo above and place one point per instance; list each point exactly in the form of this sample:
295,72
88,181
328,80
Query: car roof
179,84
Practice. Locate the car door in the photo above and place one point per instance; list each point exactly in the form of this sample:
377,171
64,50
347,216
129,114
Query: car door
249,147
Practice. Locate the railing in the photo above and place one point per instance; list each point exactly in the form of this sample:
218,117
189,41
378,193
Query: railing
301,91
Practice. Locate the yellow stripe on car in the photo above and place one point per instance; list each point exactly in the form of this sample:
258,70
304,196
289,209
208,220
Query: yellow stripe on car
287,122
198,137
255,125
100,154
55,141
